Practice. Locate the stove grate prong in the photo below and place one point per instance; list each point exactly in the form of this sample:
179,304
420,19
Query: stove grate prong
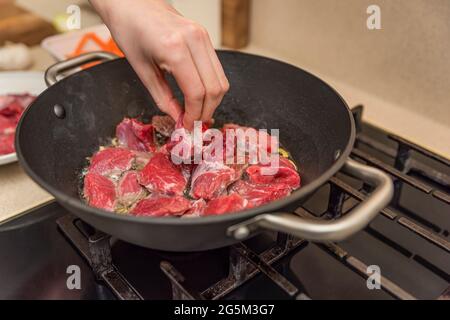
180,290
96,249
266,268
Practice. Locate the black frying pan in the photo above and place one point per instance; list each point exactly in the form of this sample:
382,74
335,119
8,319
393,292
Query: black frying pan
74,116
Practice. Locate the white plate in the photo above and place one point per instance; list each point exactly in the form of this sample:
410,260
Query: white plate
17,83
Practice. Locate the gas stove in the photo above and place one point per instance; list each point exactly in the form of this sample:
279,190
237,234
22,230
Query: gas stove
403,254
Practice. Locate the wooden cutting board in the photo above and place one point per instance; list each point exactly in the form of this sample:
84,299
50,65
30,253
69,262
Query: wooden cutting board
20,25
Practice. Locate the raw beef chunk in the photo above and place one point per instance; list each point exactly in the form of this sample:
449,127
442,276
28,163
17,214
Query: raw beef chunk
142,158
135,135
99,191
210,179
160,205
258,194
6,143
162,176
264,141
7,126
164,125
112,161
196,209
129,190
285,174
11,109
183,140
142,177
225,204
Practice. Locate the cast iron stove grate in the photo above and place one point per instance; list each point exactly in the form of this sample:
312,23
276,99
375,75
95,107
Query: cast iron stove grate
408,241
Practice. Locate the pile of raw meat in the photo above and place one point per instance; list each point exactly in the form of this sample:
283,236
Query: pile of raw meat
135,175
11,109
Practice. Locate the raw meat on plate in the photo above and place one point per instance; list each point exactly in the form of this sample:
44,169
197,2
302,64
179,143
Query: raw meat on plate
11,109
6,143
7,126
13,112
162,176
161,205
99,191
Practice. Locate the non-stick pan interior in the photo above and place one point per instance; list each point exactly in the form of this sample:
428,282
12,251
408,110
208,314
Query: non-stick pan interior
313,122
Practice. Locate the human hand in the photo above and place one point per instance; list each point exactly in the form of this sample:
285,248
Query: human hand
156,39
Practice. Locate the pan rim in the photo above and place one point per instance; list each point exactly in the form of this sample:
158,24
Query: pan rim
77,204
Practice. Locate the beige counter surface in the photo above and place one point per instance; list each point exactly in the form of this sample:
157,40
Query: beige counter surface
18,193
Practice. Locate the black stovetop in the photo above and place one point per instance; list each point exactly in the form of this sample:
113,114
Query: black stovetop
409,242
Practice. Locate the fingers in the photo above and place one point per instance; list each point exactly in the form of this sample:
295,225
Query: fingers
190,57
185,72
217,65
153,78
198,42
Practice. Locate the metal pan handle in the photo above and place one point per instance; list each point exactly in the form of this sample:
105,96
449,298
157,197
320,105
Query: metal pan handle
56,69
327,230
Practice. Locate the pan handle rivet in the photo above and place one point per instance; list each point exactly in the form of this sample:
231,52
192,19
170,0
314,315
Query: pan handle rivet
241,233
59,111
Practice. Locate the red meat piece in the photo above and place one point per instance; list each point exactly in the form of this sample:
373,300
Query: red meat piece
184,141
263,141
285,174
196,209
13,111
135,135
7,125
160,205
99,191
128,188
142,158
225,204
6,143
6,100
260,194
162,176
210,179
112,161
